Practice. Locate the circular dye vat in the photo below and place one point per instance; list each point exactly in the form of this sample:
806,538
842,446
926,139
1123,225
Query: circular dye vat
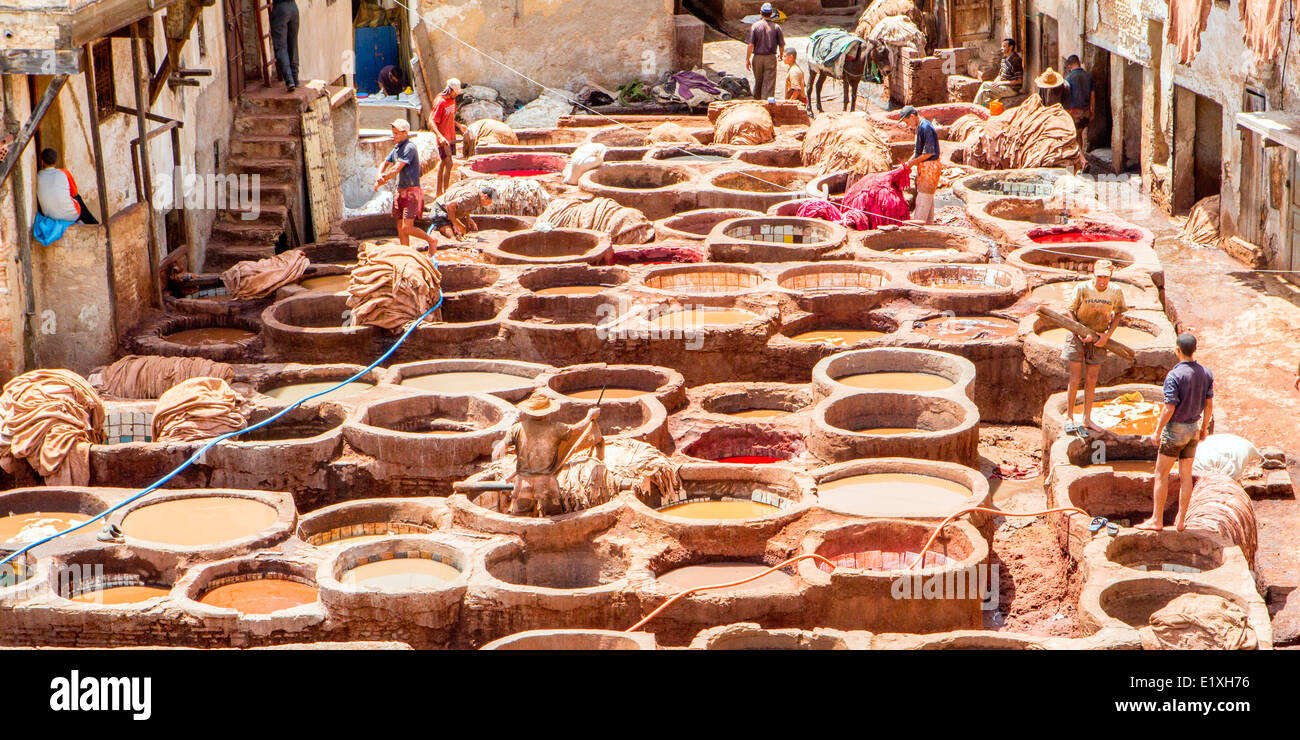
967,328
1126,335
893,494
574,289
724,509
298,391
591,394
758,413
199,520
838,337
896,381
36,525
1133,466
208,336
922,251
885,560
749,460
465,382
327,283
121,595
888,431
715,574
1125,415
696,158
697,317
1060,292
1083,237
260,596
399,573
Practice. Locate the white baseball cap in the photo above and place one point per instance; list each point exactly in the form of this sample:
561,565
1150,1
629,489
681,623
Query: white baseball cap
401,124
453,84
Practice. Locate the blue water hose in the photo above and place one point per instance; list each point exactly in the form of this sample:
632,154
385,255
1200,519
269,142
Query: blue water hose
229,435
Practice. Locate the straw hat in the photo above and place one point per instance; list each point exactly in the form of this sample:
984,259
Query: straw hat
538,406
1049,78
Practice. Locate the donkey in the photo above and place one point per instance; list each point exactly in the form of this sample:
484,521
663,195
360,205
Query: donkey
849,67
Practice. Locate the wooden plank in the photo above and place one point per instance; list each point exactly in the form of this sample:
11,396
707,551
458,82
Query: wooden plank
324,191
1061,320
106,16
40,62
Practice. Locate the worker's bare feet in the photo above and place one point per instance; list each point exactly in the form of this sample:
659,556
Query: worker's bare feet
1094,426
1151,525
1179,523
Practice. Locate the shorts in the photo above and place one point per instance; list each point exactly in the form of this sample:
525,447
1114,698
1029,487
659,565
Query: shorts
1179,439
438,217
1076,350
445,151
408,203
927,176
1080,116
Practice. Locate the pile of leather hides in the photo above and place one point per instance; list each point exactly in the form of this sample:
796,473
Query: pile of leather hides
391,286
50,418
1202,225
624,225
1220,505
670,133
256,278
1187,19
692,89
880,196
487,131
642,469
879,10
898,31
583,160
744,123
1028,135
516,196
150,376
198,408
825,210
845,141
1199,622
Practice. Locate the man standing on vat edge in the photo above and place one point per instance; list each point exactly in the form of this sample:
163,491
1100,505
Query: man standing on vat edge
408,202
1189,395
926,162
1097,304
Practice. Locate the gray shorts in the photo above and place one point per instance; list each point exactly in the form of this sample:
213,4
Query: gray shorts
1179,439
1076,350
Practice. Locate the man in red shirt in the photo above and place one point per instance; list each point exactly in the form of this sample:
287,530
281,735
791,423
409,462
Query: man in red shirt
444,125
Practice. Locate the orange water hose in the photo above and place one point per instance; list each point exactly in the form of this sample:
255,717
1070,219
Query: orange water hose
697,589
945,522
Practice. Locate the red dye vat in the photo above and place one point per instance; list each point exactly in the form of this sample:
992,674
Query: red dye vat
749,460
1081,237
522,173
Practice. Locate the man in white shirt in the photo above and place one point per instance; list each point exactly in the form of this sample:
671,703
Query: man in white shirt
56,192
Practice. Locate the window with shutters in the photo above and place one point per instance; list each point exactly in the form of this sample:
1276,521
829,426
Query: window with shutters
970,20
105,91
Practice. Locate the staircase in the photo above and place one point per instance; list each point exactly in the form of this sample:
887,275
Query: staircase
266,141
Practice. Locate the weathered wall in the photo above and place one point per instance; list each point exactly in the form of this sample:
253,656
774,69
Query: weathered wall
324,34
12,316
557,43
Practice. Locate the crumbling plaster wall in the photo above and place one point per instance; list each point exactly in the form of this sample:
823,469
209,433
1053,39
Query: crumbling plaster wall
556,43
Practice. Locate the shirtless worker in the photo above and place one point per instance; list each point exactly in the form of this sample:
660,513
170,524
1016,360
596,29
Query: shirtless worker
1097,304
538,438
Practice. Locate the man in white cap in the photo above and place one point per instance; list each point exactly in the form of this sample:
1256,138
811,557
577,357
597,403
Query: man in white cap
766,40
539,439
408,203
1097,304
444,125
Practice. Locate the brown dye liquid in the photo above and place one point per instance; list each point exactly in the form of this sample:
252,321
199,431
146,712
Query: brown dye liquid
121,595
298,391
574,290
262,596
758,413
201,520
401,573
1060,292
1126,335
702,317
889,431
35,525
465,382
894,494
720,510
327,283
1133,466
838,337
714,574
208,336
591,394
897,381
958,285
964,329
921,251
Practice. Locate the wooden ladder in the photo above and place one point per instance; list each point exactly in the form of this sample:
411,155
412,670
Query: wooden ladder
262,12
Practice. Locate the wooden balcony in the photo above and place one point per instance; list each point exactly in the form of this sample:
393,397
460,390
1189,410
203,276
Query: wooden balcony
46,36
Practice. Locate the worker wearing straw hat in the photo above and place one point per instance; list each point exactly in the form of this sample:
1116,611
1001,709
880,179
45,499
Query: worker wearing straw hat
1051,87
538,439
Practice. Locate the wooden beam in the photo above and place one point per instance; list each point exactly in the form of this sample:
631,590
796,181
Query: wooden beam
101,185
39,62
146,166
29,128
107,16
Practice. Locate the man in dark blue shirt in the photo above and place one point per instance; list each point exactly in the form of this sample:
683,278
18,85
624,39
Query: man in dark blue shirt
1189,396
408,202
1081,98
926,162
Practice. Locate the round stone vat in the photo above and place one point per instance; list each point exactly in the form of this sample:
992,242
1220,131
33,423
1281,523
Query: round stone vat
774,239
502,222
516,164
510,380
1122,416
924,244
215,337
289,454
552,247
828,330
572,280
746,445
582,565
914,371
698,223
1168,550
685,154
643,419
1131,602
466,318
562,140
209,523
870,424
258,588
562,326
755,402
278,386
621,383
1086,232
967,288
1134,333
833,276
431,434
311,325
1069,258
1020,211
1031,183
31,514
901,487
661,253
872,588
574,639
945,329
750,636
1059,292
707,279
657,190
462,277
756,189
354,522
112,577
721,494
772,156
623,144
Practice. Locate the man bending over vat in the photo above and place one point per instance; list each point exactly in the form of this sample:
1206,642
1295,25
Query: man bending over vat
1189,396
1097,304
451,211
541,443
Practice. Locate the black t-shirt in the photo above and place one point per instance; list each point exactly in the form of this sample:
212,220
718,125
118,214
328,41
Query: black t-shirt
1081,85
406,152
